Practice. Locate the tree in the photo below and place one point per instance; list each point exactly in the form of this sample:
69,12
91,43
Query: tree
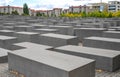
38,14
25,9
15,12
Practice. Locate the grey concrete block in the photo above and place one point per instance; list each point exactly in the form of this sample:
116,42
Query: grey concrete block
9,24
102,42
23,28
108,60
87,32
44,63
21,23
27,37
37,26
4,55
7,32
7,41
112,34
15,47
56,40
43,31
117,28
66,30
8,27
32,45
91,25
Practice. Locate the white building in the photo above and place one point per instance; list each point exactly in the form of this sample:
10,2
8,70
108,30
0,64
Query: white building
78,9
10,9
57,11
50,13
114,6
32,12
99,6
66,11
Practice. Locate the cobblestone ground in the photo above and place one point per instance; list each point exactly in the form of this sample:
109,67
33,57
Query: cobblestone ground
99,73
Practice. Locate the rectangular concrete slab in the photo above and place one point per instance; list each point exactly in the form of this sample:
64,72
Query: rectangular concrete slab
7,32
3,55
7,41
88,32
102,42
116,28
27,37
43,31
56,40
38,26
32,45
108,60
44,63
23,28
67,30
8,27
112,34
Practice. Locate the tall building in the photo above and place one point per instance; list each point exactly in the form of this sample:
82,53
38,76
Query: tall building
66,11
99,6
10,9
50,13
114,6
78,9
57,11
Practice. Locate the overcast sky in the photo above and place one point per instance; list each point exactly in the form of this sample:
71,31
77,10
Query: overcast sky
48,4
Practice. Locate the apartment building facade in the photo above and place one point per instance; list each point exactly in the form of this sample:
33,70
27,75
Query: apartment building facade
57,11
66,11
78,9
114,6
10,9
99,6
50,13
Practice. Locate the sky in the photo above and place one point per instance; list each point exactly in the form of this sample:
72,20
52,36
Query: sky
48,4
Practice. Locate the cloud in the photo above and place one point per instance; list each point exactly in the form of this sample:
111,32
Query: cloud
5,2
50,4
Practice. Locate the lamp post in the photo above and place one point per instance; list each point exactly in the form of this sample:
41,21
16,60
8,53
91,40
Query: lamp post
8,9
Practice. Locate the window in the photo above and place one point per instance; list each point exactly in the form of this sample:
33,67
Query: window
118,2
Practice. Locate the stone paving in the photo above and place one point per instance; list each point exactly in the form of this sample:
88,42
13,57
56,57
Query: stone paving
99,73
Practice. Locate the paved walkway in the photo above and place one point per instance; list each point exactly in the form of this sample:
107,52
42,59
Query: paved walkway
99,73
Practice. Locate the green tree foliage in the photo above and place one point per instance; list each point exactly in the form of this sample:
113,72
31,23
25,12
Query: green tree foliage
41,14
25,9
38,14
15,12
97,14
2,13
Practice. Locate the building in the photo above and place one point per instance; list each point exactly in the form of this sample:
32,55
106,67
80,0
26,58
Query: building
33,12
66,11
114,6
57,11
9,9
99,6
78,9
50,13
